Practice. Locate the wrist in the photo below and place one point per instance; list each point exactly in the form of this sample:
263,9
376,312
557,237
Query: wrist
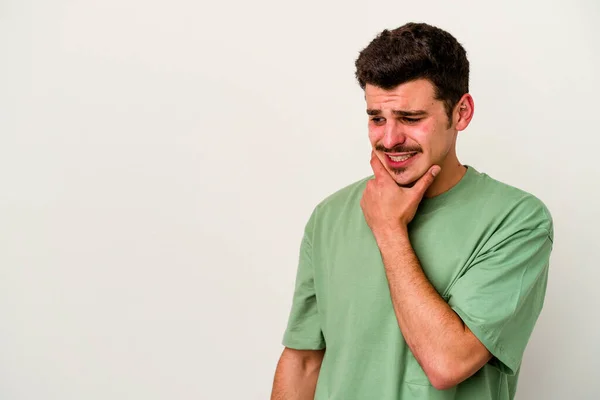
392,232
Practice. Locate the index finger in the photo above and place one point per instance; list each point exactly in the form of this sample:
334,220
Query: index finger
379,170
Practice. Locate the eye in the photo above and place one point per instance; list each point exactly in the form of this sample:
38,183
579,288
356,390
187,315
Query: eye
378,120
411,120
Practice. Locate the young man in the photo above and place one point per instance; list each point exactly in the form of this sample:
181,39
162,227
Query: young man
424,280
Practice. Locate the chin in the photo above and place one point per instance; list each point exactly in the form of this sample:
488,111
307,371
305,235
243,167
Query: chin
407,184
406,178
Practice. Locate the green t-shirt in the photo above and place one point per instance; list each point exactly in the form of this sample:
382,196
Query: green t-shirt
484,246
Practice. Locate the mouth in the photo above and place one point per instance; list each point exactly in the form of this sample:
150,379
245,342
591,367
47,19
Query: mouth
399,160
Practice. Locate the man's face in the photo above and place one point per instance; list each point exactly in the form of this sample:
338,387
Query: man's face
408,129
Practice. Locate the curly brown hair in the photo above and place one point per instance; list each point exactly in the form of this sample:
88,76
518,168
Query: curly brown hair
415,51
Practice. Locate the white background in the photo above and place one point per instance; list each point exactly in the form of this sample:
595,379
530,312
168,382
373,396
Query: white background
158,162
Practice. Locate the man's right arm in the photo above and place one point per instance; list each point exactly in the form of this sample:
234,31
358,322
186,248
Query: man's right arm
296,374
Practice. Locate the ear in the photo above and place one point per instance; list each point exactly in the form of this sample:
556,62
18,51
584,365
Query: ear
463,112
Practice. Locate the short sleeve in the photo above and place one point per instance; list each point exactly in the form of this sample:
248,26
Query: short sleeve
502,293
304,327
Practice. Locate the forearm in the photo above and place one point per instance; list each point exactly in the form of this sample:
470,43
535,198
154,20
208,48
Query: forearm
434,332
296,375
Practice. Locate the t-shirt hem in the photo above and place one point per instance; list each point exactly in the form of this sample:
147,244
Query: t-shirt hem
302,343
508,365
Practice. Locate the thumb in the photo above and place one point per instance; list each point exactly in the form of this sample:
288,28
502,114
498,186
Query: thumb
426,180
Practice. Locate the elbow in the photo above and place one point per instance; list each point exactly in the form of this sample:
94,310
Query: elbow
443,383
444,375
452,368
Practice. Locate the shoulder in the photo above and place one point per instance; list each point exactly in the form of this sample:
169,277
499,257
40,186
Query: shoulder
512,208
344,195
342,202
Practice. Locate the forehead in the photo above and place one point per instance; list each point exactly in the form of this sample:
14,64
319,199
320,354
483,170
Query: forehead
418,94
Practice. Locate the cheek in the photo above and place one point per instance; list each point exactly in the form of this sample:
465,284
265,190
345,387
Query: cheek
421,136
375,135
429,136
438,142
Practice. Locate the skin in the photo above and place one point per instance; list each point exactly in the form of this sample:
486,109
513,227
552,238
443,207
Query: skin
430,132
443,345
296,374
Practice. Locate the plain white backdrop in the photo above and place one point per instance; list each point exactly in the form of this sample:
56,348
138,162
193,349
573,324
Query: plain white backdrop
158,162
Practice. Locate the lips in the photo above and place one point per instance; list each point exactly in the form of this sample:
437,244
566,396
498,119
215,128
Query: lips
401,157
399,160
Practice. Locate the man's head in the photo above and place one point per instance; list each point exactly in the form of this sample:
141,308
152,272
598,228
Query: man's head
416,82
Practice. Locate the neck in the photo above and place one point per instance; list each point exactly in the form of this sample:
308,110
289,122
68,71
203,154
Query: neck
451,173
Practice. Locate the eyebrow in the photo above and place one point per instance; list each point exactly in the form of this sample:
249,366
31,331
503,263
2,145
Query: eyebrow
399,113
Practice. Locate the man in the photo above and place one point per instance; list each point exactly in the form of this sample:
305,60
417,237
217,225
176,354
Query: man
425,280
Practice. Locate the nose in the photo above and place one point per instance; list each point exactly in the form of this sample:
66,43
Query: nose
393,134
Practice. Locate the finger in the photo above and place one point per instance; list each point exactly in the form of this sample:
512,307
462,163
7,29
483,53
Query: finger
379,170
426,180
